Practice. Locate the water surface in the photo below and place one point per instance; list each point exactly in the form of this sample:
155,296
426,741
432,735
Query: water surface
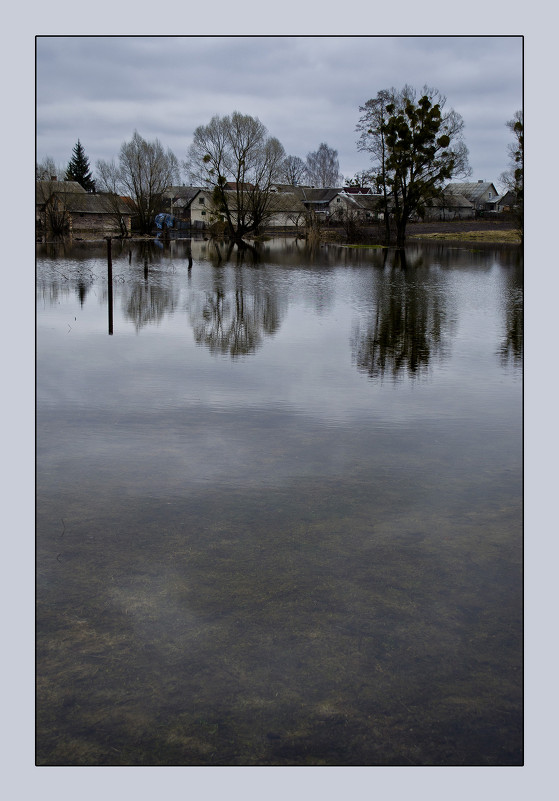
279,505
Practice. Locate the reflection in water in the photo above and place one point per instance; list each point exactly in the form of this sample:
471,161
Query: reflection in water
273,560
148,303
405,326
233,320
512,344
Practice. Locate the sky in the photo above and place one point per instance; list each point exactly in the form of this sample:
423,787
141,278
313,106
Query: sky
305,89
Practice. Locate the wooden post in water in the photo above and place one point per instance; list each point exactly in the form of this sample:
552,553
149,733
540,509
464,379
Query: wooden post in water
110,284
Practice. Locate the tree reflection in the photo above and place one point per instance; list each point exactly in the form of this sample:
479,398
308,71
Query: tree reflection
149,303
233,321
406,328
512,344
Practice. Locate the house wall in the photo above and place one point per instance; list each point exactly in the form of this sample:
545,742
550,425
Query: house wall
283,219
449,213
200,209
83,222
488,196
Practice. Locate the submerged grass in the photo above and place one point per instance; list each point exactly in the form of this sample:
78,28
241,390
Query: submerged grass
230,636
473,236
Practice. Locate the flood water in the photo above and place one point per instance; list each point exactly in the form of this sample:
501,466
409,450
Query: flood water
279,505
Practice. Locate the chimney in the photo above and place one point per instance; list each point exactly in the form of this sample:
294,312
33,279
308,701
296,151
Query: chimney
481,182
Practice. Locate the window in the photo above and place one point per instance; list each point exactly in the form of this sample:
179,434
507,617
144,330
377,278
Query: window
201,200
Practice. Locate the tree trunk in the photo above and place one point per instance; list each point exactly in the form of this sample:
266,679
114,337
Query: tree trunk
401,232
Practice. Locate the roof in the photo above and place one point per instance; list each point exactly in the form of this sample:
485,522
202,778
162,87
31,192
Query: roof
233,186
451,200
287,202
369,202
473,190
357,190
187,193
44,189
86,203
309,194
282,187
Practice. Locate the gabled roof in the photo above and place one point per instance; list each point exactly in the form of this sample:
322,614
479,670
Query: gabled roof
365,202
287,202
44,189
357,190
473,190
282,187
451,200
509,197
233,186
313,196
85,203
187,193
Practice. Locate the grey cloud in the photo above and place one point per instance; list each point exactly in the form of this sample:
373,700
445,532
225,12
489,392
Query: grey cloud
304,89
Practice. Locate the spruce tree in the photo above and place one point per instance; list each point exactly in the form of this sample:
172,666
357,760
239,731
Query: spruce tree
78,169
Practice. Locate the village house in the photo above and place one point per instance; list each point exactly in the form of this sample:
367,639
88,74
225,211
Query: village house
177,201
64,207
506,202
482,194
449,206
362,205
44,191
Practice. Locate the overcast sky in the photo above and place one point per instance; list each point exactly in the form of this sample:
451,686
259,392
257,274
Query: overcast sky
306,90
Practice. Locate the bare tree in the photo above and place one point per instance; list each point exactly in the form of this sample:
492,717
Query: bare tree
51,214
323,167
144,172
109,184
372,129
293,170
234,157
46,170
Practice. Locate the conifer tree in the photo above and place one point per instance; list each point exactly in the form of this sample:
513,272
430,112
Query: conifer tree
78,169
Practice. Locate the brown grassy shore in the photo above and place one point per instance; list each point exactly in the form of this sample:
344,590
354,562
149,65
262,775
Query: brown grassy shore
483,230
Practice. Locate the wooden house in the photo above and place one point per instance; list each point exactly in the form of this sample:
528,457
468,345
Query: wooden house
64,207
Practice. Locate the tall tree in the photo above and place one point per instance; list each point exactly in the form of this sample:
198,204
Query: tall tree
78,169
238,161
513,178
323,167
110,186
372,127
293,170
417,147
145,170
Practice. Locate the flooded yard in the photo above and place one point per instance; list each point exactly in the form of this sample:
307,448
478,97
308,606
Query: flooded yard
279,505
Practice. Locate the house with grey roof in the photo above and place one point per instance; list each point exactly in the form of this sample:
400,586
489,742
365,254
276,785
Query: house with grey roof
364,206
178,201
482,194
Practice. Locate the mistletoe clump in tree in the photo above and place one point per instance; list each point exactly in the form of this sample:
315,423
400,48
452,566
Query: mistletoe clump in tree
78,169
417,147
513,178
